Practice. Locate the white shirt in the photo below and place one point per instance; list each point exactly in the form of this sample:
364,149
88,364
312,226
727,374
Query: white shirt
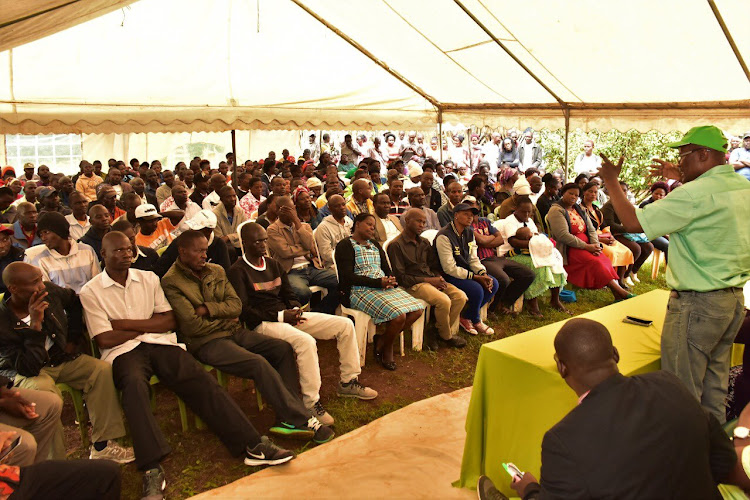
77,230
191,209
587,164
70,271
212,201
508,227
390,228
104,299
490,154
528,156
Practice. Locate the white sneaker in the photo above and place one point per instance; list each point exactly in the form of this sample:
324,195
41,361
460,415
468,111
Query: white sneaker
635,278
466,326
321,414
628,281
483,329
113,452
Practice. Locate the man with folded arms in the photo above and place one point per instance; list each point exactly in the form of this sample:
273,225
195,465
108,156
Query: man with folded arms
38,322
131,321
270,307
207,308
417,269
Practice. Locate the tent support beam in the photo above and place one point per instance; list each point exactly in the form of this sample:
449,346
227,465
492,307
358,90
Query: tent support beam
729,38
638,106
566,112
440,131
511,54
234,150
369,54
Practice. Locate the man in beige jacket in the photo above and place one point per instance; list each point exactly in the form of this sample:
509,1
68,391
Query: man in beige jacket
229,216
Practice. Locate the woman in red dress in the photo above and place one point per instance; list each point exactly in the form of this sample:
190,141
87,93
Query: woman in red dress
579,245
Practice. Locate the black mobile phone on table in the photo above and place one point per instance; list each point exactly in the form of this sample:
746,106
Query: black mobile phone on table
637,321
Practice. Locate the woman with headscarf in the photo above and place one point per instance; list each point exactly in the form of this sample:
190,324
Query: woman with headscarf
306,209
506,178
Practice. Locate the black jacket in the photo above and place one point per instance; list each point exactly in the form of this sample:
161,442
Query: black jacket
92,239
641,437
22,348
345,269
147,261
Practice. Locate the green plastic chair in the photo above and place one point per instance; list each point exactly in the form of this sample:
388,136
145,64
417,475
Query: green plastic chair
81,416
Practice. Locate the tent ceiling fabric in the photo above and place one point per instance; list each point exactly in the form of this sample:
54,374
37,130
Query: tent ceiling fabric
272,65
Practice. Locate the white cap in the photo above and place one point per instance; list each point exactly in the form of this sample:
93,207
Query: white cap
203,219
414,168
522,187
146,212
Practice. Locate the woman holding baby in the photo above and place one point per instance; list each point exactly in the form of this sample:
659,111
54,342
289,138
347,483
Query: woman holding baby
517,230
576,239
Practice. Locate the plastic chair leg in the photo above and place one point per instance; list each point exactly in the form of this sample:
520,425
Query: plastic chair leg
655,264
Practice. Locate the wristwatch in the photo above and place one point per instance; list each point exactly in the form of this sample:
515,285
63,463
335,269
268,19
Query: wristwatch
741,432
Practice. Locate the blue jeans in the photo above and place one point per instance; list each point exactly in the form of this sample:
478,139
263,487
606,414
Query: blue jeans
302,279
744,172
477,294
696,342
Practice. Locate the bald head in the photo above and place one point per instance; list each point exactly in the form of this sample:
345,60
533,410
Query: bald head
585,352
113,240
18,273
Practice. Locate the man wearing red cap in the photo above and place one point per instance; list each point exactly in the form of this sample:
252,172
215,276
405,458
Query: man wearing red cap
709,258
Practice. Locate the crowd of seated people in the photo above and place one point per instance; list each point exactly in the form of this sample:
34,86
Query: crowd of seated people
247,275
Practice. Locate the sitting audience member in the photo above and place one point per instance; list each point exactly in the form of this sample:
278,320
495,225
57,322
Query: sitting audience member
206,308
131,321
29,193
79,219
179,201
612,413
39,320
520,188
107,197
387,225
396,190
455,193
229,216
165,190
306,210
575,237
417,269
64,262
291,243
367,285
144,258
114,179
637,243
218,252
212,200
49,201
7,208
457,251
130,201
547,198
87,181
361,201
25,233
513,277
433,197
154,231
201,189
65,188
270,306
100,224
268,212
8,253
55,478
618,254
252,200
516,248
417,200
37,423
332,229
659,191
139,188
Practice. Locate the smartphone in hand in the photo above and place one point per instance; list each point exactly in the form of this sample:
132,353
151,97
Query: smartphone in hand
513,471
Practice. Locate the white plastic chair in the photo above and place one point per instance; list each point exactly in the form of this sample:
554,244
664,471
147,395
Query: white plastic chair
417,328
429,235
364,326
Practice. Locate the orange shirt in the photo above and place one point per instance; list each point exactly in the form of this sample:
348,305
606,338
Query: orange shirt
161,237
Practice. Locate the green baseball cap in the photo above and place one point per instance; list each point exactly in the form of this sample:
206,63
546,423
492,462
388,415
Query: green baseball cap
707,136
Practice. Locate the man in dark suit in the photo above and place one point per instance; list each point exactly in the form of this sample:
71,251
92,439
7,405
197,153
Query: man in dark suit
629,437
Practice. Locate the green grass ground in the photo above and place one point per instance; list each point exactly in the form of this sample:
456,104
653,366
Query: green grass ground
199,462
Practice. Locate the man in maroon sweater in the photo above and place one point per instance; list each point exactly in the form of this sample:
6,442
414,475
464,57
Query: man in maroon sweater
270,307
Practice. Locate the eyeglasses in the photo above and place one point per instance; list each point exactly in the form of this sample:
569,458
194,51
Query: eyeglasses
683,155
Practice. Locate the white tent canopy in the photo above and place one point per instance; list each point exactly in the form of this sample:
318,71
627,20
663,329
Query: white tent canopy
195,65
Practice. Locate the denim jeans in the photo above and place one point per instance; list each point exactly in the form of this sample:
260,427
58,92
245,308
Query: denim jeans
302,279
477,295
696,342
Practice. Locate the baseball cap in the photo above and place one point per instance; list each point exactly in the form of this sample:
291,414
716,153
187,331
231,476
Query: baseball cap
746,134
522,187
313,182
706,135
203,219
146,212
414,168
45,191
28,165
461,207
468,199
6,230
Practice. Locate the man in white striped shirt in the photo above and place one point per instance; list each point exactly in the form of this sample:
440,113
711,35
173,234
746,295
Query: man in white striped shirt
62,260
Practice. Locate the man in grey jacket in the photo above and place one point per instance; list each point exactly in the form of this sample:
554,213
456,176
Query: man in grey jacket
332,229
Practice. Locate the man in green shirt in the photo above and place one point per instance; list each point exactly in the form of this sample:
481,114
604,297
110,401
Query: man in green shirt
709,258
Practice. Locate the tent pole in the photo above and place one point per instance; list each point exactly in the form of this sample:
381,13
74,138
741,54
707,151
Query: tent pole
729,38
235,181
440,133
566,112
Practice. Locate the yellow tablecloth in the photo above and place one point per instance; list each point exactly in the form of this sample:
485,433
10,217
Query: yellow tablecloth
518,394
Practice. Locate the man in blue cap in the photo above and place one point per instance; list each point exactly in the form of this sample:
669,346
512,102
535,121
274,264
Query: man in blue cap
709,258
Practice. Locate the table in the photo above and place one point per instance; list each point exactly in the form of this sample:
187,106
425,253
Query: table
518,394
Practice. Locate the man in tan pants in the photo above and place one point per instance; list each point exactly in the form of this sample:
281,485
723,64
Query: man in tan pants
37,323
417,269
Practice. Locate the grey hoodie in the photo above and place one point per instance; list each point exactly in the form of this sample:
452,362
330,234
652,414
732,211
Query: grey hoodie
328,234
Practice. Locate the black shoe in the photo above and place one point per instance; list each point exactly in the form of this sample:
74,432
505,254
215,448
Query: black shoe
154,484
388,365
267,453
323,433
457,342
430,342
487,491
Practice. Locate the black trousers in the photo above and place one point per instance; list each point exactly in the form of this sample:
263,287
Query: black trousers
183,375
79,479
514,278
269,362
